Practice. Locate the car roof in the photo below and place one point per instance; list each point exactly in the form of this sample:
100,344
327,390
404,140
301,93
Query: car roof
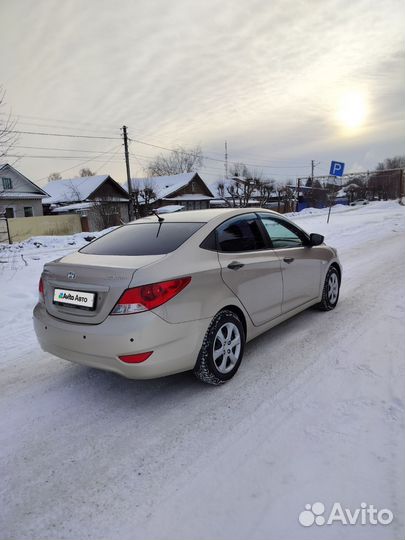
203,216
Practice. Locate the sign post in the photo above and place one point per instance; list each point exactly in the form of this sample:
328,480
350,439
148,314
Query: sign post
336,169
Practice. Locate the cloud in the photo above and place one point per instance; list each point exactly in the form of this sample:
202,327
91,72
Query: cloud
264,75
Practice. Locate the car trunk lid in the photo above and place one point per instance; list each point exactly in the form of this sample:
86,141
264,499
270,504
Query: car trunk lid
83,288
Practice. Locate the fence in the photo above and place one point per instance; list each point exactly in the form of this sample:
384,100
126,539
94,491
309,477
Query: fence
22,228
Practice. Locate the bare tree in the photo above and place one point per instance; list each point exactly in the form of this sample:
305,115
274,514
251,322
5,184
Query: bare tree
74,193
264,190
396,162
54,176
244,183
286,197
106,212
236,192
144,193
239,170
7,125
180,160
221,187
86,172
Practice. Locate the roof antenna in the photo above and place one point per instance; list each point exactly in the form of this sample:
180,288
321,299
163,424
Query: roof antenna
157,215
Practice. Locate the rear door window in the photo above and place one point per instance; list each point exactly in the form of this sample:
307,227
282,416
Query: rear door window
143,239
241,233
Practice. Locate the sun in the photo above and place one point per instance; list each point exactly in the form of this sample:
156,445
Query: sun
352,110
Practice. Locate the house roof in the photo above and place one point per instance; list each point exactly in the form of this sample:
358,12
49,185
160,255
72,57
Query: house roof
188,197
70,207
170,209
74,189
38,190
166,185
10,194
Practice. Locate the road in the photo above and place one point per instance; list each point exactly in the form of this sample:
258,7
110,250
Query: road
315,414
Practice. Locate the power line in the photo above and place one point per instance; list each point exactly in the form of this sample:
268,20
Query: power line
109,159
78,164
107,126
31,156
59,120
58,149
41,133
219,160
64,135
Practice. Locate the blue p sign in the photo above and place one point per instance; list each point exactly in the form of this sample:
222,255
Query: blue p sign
336,168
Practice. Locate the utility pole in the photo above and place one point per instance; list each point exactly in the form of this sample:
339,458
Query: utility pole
131,202
226,160
313,165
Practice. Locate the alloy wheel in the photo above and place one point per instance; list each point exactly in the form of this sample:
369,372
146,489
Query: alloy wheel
333,288
227,347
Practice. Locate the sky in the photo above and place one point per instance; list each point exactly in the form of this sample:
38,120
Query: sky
283,82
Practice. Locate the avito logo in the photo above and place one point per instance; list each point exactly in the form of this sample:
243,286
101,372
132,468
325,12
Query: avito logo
68,296
365,515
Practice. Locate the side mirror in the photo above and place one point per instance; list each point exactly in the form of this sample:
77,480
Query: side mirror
316,239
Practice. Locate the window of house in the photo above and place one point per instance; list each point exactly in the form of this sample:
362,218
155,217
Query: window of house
9,212
7,183
28,211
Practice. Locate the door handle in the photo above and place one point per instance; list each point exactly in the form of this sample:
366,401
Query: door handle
235,265
288,260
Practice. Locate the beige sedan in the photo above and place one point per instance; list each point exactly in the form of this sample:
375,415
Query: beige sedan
182,292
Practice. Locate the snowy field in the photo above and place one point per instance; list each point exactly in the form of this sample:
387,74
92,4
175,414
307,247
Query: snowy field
315,414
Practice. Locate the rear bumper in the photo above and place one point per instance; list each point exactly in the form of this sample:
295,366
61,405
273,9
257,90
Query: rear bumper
175,346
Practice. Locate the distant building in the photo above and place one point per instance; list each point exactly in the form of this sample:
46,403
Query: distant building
187,189
99,200
19,196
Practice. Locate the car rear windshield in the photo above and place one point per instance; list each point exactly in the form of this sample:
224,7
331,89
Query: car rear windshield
143,239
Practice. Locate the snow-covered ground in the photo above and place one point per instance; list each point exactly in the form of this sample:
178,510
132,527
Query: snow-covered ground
315,414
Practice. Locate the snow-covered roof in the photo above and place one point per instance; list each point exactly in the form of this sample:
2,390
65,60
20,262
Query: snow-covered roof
72,189
188,197
26,182
19,195
170,209
351,186
69,207
341,193
166,185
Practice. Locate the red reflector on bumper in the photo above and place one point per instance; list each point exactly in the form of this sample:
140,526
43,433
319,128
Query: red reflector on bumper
135,358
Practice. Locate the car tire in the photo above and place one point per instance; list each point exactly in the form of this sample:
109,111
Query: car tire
222,349
330,293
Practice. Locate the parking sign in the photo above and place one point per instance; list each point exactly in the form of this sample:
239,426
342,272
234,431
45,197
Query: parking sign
336,168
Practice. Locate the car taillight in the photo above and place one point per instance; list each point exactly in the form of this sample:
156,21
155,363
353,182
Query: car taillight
41,290
149,296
